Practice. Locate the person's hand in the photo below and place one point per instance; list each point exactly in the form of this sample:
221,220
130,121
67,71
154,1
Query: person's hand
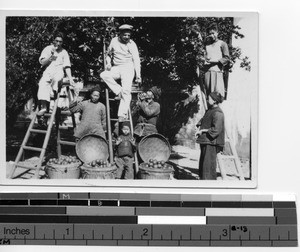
200,132
79,98
132,140
72,83
119,140
138,80
108,67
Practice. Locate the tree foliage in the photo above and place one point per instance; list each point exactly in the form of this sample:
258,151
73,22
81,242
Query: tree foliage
170,47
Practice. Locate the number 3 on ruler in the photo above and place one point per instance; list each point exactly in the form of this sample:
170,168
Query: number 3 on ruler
225,232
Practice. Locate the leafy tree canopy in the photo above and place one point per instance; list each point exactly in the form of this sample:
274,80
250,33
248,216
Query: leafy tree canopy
170,48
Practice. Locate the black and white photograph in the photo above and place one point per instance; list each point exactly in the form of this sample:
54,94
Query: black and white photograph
166,99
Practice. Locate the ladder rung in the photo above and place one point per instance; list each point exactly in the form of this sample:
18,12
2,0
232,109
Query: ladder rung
47,114
66,112
27,166
67,143
228,157
114,119
32,148
65,127
38,131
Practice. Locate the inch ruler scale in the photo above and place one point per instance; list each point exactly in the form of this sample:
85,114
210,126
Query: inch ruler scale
112,219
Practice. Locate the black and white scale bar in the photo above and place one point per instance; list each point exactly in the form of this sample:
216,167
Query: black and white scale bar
148,235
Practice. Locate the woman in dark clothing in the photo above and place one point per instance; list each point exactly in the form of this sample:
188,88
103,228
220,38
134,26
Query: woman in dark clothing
211,137
93,120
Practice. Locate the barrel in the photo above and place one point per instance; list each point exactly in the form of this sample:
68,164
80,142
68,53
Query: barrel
155,173
66,171
91,147
154,146
89,172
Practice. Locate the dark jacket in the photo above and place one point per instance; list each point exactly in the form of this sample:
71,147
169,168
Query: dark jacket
147,120
125,148
213,120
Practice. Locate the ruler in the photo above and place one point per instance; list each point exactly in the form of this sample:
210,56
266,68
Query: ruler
110,219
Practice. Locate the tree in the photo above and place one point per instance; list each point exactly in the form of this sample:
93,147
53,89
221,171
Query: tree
170,47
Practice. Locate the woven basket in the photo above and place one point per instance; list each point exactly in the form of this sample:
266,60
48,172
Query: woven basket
92,147
68,171
89,172
155,173
154,146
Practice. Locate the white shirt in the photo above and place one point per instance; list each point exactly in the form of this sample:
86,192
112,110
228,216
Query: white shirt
62,60
125,53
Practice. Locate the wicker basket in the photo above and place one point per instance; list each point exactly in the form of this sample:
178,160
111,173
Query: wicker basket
92,147
68,171
89,172
155,173
154,146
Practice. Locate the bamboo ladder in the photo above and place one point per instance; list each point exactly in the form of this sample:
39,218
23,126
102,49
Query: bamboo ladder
233,156
54,116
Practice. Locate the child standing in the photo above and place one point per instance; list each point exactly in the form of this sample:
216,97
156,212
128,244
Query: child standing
93,120
125,147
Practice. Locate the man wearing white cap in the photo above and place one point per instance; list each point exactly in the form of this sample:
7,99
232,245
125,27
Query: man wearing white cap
123,62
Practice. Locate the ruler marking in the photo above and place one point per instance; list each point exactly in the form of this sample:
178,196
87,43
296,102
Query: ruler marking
93,234
269,233
171,234
44,236
132,234
102,236
64,237
122,237
249,235
53,233
288,234
190,233
112,231
34,232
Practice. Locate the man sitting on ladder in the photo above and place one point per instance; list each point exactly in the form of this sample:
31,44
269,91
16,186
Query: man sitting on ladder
123,62
56,62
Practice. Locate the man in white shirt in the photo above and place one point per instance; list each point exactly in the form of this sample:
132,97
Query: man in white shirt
56,62
123,62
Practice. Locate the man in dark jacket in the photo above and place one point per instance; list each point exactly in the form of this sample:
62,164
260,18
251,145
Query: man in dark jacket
211,137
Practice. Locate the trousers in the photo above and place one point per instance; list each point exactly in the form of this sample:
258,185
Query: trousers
49,82
125,73
125,167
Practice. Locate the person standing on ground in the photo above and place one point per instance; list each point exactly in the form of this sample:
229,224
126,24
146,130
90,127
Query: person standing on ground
123,62
125,148
211,137
56,61
93,112
216,58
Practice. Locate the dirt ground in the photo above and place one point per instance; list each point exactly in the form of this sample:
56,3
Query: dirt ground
184,159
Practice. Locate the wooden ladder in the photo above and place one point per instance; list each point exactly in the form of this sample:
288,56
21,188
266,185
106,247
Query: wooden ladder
234,156
53,117
109,130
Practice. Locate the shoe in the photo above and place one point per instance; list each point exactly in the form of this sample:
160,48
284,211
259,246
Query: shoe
42,112
118,97
41,122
